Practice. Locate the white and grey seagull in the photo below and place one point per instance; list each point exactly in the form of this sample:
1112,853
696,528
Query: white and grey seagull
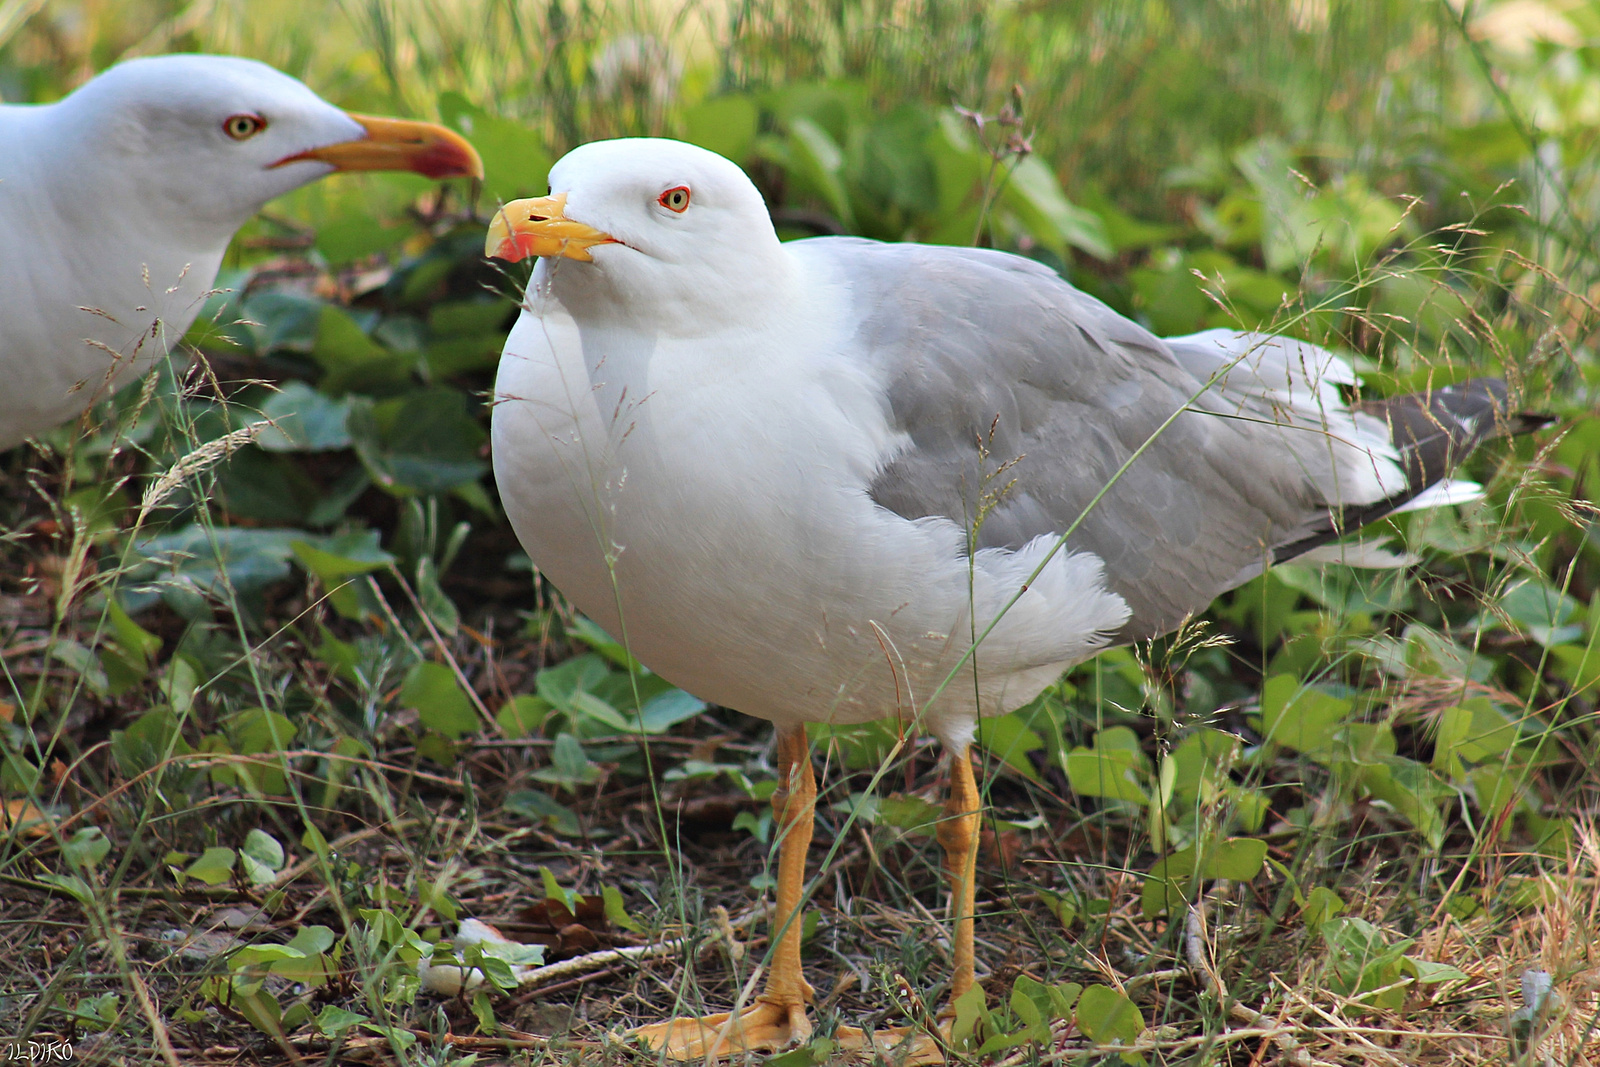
799,479
118,202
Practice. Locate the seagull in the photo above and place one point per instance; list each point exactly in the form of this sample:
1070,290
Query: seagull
837,480
118,201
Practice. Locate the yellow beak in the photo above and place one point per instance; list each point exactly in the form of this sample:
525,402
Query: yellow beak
399,144
540,227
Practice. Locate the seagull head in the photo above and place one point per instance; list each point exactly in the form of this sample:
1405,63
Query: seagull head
200,140
656,227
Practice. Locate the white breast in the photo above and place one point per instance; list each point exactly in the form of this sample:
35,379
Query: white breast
707,502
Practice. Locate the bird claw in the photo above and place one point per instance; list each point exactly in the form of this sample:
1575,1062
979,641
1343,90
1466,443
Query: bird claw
900,1046
764,1026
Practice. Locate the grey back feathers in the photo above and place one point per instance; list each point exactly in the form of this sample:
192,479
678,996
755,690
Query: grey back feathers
1029,396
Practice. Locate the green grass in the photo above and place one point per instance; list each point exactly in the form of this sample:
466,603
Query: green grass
297,687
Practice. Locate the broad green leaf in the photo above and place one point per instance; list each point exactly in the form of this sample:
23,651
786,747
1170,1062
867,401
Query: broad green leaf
666,710
260,859
334,1021
515,162
86,848
303,420
553,891
969,1009
816,161
1238,859
72,885
1105,773
545,810
432,689
152,737
214,866
1171,881
426,441
1321,905
1302,718
1033,192
352,361
523,715
1411,789
570,765
338,562
558,685
1108,1017
616,912
1008,738
907,812
1427,971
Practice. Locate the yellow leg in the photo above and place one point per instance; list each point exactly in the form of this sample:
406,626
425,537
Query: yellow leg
958,833
778,1018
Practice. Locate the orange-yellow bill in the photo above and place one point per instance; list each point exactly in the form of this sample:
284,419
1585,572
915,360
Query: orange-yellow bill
539,227
399,144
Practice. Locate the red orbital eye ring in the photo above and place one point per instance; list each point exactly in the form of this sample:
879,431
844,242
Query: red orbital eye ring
675,199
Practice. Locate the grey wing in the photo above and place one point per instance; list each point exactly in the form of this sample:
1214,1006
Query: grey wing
1022,397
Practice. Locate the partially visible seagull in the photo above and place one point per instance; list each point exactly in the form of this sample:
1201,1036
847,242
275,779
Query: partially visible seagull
118,201
837,480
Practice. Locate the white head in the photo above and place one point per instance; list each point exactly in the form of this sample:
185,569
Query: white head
661,231
203,141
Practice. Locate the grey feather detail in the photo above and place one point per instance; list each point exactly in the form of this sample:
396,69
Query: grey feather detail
1021,397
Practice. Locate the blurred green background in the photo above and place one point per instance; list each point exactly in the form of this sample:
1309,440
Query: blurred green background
1413,184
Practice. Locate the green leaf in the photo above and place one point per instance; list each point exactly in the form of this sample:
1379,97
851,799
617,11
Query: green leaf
1363,961
1238,859
86,848
334,1021
303,420
553,891
515,162
1426,971
1010,740
1301,718
483,1011
589,632
570,765
352,361
72,885
261,858
432,689
426,441
560,684
1107,1017
98,1013
1031,1002
1115,767
1172,879
666,710
523,715
544,810
1033,192
1321,904
335,561
261,1010
816,161
1411,789
616,912
906,812
214,866
969,1010
1062,906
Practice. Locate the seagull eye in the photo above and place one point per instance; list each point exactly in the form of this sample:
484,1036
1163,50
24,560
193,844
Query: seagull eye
243,127
675,199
